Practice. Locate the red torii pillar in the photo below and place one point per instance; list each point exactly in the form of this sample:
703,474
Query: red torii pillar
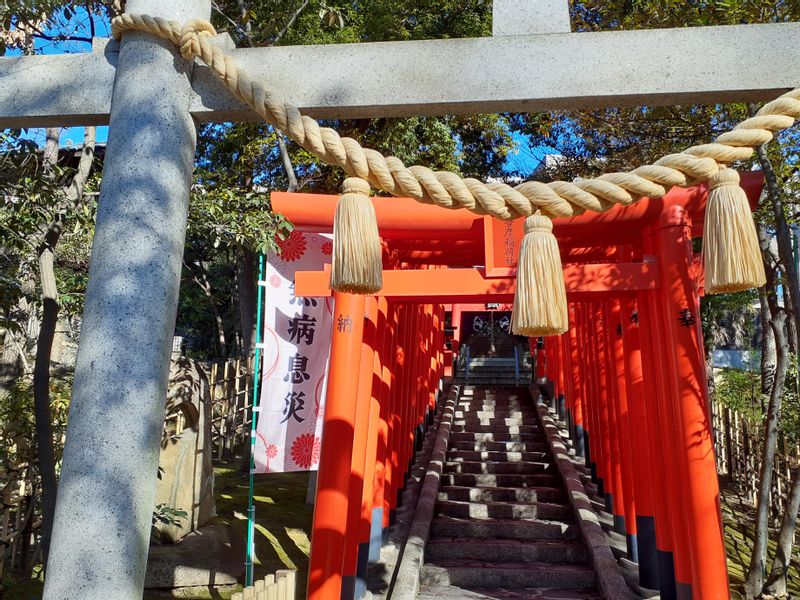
646,474
620,402
387,418
329,527
680,317
656,397
360,470
578,387
593,450
384,382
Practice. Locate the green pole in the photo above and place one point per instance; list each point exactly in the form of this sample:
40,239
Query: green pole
251,509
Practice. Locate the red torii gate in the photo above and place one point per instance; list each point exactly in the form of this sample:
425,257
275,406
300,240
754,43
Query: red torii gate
630,371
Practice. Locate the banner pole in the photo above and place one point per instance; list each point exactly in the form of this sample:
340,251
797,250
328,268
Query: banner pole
251,510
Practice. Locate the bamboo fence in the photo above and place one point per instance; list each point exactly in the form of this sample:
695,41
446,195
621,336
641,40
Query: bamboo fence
738,446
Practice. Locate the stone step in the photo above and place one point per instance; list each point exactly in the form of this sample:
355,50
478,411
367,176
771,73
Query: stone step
496,428
508,368
493,415
474,407
487,373
449,527
490,379
455,455
499,383
502,494
480,377
495,402
497,551
504,510
486,480
500,468
492,436
466,573
439,592
483,446
473,391
472,419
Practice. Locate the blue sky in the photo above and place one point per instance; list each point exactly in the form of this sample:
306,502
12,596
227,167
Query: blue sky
79,26
523,161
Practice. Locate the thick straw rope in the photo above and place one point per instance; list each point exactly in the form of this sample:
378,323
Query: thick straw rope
556,199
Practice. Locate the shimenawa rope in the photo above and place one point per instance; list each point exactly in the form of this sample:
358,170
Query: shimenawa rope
557,199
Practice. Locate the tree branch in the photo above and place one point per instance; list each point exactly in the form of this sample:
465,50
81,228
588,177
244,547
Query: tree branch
239,29
287,164
290,22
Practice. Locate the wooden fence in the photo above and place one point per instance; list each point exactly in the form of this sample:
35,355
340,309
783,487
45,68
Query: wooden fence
738,446
231,389
19,539
281,586
232,400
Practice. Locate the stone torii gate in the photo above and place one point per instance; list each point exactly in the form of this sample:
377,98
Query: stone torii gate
152,99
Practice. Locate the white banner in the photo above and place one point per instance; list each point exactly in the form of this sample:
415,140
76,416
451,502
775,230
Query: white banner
296,351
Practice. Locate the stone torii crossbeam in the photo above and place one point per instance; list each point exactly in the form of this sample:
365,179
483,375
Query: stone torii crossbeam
152,99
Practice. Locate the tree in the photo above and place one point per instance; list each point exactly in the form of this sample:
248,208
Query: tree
67,204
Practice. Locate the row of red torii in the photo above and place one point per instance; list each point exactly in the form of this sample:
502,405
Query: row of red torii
630,369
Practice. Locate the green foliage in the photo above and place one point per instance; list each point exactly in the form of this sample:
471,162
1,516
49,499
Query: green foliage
338,21
32,200
226,217
593,15
18,427
790,412
740,391
166,515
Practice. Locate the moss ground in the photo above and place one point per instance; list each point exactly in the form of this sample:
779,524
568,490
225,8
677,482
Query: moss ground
283,528
283,519
739,518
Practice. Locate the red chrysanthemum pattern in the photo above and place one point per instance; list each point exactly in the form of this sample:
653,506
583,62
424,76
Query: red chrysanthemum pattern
272,452
305,450
327,248
293,247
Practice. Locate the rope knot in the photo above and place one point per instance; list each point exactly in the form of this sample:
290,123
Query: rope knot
355,185
724,176
538,222
190,37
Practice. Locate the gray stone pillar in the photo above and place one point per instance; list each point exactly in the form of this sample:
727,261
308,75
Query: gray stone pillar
107,487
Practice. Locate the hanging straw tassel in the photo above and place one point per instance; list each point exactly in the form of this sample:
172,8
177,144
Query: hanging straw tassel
540,304
731,254
357,265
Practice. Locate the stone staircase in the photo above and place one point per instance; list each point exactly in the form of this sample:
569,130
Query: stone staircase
503,527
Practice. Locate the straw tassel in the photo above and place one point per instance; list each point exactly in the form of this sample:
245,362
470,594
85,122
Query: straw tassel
731,254
357,265
540,303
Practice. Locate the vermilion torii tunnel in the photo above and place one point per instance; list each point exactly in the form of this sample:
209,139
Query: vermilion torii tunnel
628,377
